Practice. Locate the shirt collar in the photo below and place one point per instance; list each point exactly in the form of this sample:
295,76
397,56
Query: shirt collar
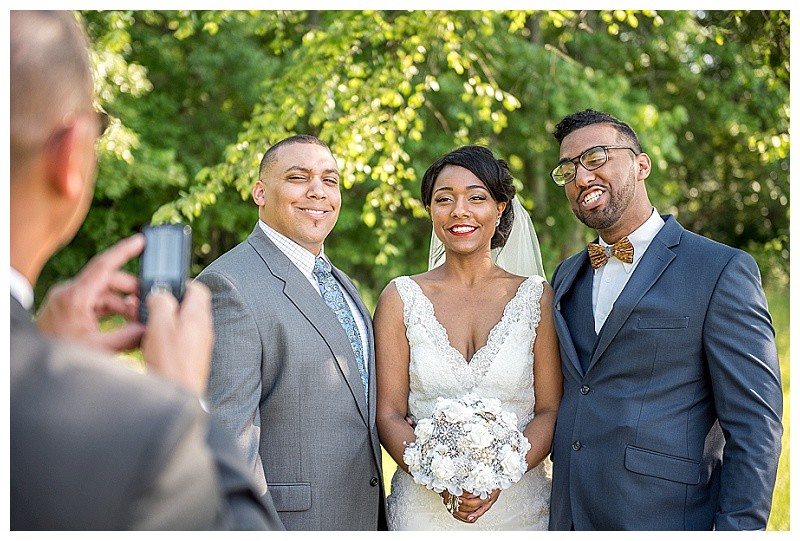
300,256
21,289
641,238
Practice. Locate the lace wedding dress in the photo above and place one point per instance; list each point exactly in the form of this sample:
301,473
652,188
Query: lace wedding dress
503,369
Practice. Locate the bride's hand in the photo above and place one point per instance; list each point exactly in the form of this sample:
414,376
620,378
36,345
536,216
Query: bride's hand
471,507
476,506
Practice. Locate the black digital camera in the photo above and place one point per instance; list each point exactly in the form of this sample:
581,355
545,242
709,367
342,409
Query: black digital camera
165,262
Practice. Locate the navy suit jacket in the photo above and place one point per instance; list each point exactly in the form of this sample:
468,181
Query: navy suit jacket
675,421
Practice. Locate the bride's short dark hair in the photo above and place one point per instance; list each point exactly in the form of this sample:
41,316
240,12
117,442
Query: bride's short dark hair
493,172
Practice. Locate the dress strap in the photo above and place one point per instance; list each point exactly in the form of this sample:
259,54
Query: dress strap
408,294
534,288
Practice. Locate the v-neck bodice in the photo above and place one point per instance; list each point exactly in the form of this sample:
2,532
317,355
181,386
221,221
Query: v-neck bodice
502,368
491,338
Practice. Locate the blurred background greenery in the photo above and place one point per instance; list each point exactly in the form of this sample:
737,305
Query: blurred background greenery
198,96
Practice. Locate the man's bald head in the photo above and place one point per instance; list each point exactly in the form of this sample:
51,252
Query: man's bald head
269,155
50,77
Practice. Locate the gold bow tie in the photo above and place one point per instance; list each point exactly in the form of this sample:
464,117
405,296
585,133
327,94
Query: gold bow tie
622,250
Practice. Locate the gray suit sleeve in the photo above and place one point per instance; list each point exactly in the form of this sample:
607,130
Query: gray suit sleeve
184,493
739,344
234,388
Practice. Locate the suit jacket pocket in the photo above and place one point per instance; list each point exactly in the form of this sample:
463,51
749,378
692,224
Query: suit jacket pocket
662,322
661,465
291,496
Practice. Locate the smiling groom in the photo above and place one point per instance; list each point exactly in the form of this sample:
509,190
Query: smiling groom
292,374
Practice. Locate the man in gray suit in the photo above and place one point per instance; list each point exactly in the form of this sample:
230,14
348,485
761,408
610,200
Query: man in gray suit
292,374
671,414
95,445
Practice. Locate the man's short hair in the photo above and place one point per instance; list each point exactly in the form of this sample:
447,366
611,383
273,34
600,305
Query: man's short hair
269,155
588,117
51,75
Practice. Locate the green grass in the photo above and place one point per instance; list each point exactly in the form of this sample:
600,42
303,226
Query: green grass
778,298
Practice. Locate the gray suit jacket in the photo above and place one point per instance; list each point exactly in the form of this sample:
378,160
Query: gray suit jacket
284,381
675,423
98,446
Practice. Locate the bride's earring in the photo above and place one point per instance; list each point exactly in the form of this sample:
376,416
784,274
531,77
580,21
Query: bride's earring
497,223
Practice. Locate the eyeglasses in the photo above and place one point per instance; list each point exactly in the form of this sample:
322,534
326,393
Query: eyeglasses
103,121
591,159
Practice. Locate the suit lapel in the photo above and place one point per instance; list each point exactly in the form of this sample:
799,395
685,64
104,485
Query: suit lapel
309,303
570,271
653,263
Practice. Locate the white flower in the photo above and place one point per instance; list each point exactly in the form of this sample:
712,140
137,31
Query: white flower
509,418
424,430
481,477
524,444
457,412
412,457
479,436
510,460
442,468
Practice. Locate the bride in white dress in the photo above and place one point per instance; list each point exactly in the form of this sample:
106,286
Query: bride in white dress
469,325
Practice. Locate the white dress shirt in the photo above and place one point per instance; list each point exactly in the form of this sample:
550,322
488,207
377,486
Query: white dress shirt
304,261
21,289
611,278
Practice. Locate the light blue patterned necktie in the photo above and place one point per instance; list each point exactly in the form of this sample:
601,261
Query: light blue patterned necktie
332,294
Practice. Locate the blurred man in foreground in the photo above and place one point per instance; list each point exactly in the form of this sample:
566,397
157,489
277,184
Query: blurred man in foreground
95,445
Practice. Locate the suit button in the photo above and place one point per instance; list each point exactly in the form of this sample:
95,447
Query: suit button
585,390
373,482
576,445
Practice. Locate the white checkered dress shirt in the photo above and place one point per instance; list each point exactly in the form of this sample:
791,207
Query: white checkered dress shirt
304,261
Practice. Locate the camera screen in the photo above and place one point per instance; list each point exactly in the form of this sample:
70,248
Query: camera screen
162,254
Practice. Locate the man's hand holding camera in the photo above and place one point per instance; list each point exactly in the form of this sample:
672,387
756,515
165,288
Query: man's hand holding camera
177,341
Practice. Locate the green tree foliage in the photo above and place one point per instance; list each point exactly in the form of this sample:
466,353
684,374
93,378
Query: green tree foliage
199,96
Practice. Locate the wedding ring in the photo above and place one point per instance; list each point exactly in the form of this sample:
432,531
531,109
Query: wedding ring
453,504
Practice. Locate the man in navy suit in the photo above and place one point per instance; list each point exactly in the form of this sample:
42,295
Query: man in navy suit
671,413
